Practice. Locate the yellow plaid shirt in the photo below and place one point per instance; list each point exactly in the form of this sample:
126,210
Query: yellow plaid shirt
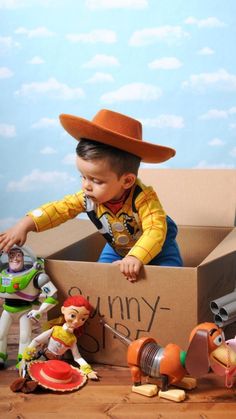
140,233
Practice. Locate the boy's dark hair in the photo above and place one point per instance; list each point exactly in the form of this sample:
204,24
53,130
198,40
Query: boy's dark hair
120,161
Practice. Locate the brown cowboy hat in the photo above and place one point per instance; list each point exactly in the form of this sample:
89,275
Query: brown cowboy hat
116,130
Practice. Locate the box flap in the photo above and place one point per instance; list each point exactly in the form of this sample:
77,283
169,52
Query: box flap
197,242
51,241
225,247
195,197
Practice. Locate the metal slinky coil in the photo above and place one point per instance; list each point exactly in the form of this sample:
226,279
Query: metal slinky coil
150,359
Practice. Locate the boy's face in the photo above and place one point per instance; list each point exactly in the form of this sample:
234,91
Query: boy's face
99,182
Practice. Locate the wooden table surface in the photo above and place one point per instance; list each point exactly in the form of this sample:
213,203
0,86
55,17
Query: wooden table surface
111,397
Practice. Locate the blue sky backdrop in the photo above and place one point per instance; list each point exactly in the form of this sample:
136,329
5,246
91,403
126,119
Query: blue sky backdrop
168,63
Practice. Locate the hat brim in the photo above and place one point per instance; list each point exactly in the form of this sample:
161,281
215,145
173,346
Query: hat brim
78,379
82,128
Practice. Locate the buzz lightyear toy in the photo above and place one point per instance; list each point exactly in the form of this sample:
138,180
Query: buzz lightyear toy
22,281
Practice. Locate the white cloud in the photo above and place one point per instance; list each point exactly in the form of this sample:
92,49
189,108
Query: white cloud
206,51
218,113
147,36
214,114
7,131
69,159
100,35
36,60
116,4
203,164
216,142
7,43
232,126
45,123
12,4
220,80
165,63
233,152
100,78
40,32
48,150
6,223
164,121
102,60
210,22
132,92
39,180
51,87
17,4
232,110
5,73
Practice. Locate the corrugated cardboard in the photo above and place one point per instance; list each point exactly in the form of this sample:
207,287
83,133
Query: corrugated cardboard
51,241
196,197
166,303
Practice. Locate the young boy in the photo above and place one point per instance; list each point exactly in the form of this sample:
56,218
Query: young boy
126,212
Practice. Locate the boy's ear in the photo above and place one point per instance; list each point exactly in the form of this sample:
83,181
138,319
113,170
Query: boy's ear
129,180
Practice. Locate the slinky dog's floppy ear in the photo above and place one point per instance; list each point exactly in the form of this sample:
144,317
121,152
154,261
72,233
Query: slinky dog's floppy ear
197,358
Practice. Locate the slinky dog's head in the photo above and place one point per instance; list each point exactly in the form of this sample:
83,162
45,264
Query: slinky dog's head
207,348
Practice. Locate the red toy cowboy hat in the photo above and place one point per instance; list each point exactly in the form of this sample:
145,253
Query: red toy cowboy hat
116,130
56,375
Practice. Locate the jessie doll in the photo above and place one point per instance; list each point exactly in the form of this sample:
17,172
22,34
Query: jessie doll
53,343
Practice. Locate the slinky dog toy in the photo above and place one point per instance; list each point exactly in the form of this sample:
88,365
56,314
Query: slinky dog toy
207,349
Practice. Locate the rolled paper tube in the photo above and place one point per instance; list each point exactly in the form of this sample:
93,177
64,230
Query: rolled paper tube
218,320
222,323
215,305
228,311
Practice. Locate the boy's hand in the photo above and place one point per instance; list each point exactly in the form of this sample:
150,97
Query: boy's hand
130,267
11,237
16,234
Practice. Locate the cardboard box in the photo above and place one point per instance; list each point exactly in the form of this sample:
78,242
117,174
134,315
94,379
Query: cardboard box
166,303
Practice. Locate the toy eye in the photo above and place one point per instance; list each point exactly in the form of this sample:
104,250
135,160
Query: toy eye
218,340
